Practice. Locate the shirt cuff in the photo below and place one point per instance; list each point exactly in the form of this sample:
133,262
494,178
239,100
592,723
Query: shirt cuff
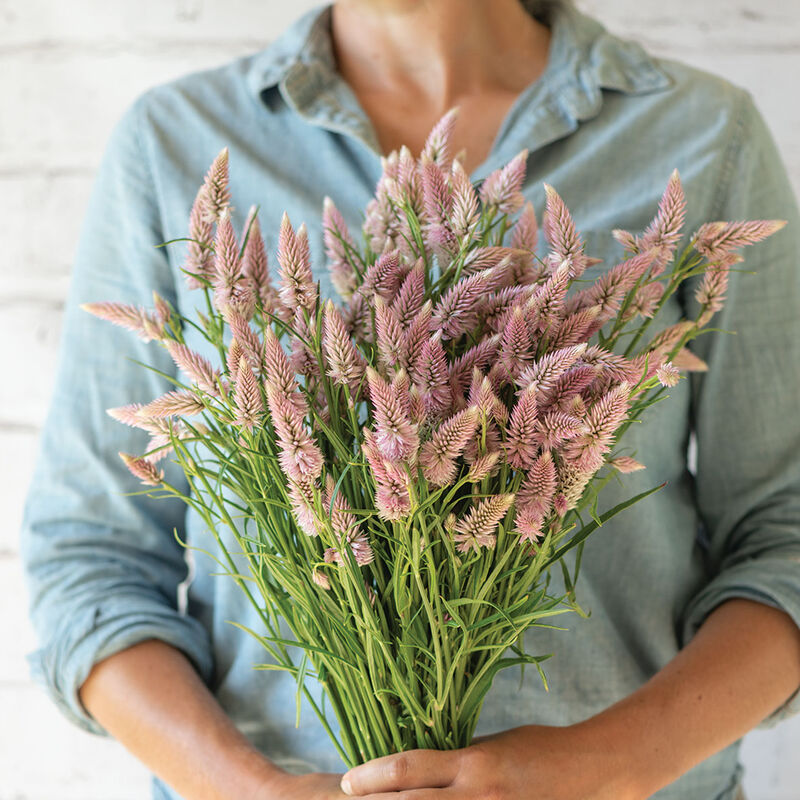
98,631
772,581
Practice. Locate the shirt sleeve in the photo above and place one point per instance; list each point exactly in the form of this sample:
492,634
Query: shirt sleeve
745,407
103,566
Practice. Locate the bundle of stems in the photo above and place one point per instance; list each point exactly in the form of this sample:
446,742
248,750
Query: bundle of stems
391,481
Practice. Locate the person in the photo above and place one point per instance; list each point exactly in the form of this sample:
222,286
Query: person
695,593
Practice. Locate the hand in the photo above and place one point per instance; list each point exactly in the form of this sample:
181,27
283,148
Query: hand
533,762
314,786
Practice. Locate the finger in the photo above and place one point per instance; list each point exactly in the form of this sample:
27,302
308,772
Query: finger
417,794
415,769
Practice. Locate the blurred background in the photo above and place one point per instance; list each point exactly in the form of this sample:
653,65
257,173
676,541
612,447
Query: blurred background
67,72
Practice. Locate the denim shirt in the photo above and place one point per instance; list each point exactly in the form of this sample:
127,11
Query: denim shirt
605,125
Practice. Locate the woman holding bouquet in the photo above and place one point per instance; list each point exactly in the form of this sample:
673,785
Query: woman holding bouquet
694,638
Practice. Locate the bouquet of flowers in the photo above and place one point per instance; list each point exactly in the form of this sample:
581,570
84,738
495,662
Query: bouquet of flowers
401,472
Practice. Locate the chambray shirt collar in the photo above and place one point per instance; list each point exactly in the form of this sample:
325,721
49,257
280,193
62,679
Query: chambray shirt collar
584,59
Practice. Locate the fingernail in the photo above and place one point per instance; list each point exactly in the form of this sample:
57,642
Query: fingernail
345,785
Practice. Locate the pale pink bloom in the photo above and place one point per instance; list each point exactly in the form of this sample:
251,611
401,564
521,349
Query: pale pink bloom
551,366
345,363
297,287
390,335
232,357
278,370
495,308
320,578
515,348
483,466
483,397
409,184
609,412
411,296
716,239
345,527
482,258
302,359
670,336
664,232
395,434
522,433
465,212
569,384
385,276
300,457
146,326
478,528
416,334
357,318
478,356
128,415
227,264
556,427
142,469
249,403
255,265
172,404
432,378
647,299
437,145
626,464
626,239
525,235
685,359
561,234
199,262
538,488
301,498
455,312
339,249
438,456
575,328
668,374
608,291
545,308
216,197
251,346
199,369
503,187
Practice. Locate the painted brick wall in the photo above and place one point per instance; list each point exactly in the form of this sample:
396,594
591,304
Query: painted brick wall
67,71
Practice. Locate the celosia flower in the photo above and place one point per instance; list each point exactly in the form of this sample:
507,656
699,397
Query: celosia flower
146,326
249,343
716,239
525,235
255,265
523,430
142,469
561,234
339,248
685,359
465,211
484,398
301,498
389,332
437,145
575,328
297,287
411,296
432,378
664,232
626,464
515,346
216,197
199,369
395,434
199,262
438,456
668,374
503,187
300,457
247,395
456,311
546,370
478,528
177,403
483,467
345,362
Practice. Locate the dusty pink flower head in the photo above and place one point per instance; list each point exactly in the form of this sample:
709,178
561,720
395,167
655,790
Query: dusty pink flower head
142,469
525,235
716,239
478,528
247,395
216,196
439,455
297,287
437,145
626,464
395,433
561,234
197,367
339,248
345,363
146,326
522,434
503,187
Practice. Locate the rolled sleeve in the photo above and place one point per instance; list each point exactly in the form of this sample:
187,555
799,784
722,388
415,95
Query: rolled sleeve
745,406
101,558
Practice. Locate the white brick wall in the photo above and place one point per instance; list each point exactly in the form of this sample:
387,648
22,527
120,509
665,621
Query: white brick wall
67,71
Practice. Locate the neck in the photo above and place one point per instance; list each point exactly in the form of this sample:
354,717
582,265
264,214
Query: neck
437,50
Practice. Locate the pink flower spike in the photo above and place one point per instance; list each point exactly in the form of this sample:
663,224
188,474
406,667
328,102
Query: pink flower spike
685,359
503,188
411,297
432,378
438,456
478,528
526,230
715,239
255,264
127,316
226,253
216,196
301,498
483,466
297,289
178,403
339,246
345,363
515,348
522,441
665,229
538,488
559,230
142,469
199,369
395,434
390,335
437,145
249,404
127,415
199,262
626,464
